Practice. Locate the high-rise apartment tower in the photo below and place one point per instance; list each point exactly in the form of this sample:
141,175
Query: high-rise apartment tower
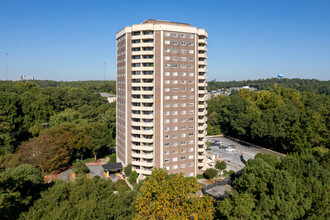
161,88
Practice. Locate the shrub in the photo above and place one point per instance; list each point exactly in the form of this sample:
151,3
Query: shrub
221,165
79,168
128,170
210,173
113,158
133,177
200,176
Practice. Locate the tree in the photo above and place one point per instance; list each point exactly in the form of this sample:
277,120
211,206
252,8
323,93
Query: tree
19,187
210,173
83,199
293,187
220,165
128,170
133,177
80,168
113,158
172,196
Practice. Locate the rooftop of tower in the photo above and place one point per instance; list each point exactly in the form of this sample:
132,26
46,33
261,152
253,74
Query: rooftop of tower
165,22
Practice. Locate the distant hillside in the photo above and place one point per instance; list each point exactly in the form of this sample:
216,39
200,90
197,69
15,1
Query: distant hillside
304,85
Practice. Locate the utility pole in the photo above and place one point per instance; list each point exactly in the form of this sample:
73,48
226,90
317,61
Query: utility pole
104,70
6,66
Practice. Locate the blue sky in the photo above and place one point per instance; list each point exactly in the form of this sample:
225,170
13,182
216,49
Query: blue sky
248,39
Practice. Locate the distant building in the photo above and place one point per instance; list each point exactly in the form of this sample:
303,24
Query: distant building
227,91
26,77
111,98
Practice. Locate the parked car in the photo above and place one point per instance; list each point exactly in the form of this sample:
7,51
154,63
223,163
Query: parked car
233,146
229,149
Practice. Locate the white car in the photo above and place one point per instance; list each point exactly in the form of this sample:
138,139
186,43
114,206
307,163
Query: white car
229,149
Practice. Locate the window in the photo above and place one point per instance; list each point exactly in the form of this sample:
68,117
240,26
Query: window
191,157
191,164
183,66
167,73
167,42
183,143
190,174
175,143
191,150
183,58
175,81
175,35
191,111
183,157
175,58
175,43
183,74
175,136
183,81
166,137
166,128
175,73
191,104
175,105
191,51
175,65
167,34
191,81
175,50
183,165
167,65
166,113
183,89
175,159
167,97
174,151
183,119
167,81
167,167
167,89
191,97
175,112
175,97
183,51
167,58
183,97
191,59
183,127
191,141
175,120
175,89
191,66
183,104
191,126
167,50
191,134
191,36
183,43
175,167
167,160
166,121
167,152
167,144
191,44
183,112
191,74
183,35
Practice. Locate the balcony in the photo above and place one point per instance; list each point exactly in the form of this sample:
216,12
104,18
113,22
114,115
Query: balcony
144,140
202,91
143,68
143,76
202,55
151,60
202,41
202,48
204,63
146,52
200,164
201,70
203,84
146,44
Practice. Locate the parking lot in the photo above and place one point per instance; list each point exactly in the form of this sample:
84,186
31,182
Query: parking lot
235,159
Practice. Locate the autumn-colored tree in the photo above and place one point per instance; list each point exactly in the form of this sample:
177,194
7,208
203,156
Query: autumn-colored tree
173,196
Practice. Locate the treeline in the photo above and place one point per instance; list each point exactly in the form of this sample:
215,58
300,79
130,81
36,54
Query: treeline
281,119
50,127
303,85
90,85
292,187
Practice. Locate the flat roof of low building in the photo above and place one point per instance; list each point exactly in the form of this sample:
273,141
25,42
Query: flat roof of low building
112,166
